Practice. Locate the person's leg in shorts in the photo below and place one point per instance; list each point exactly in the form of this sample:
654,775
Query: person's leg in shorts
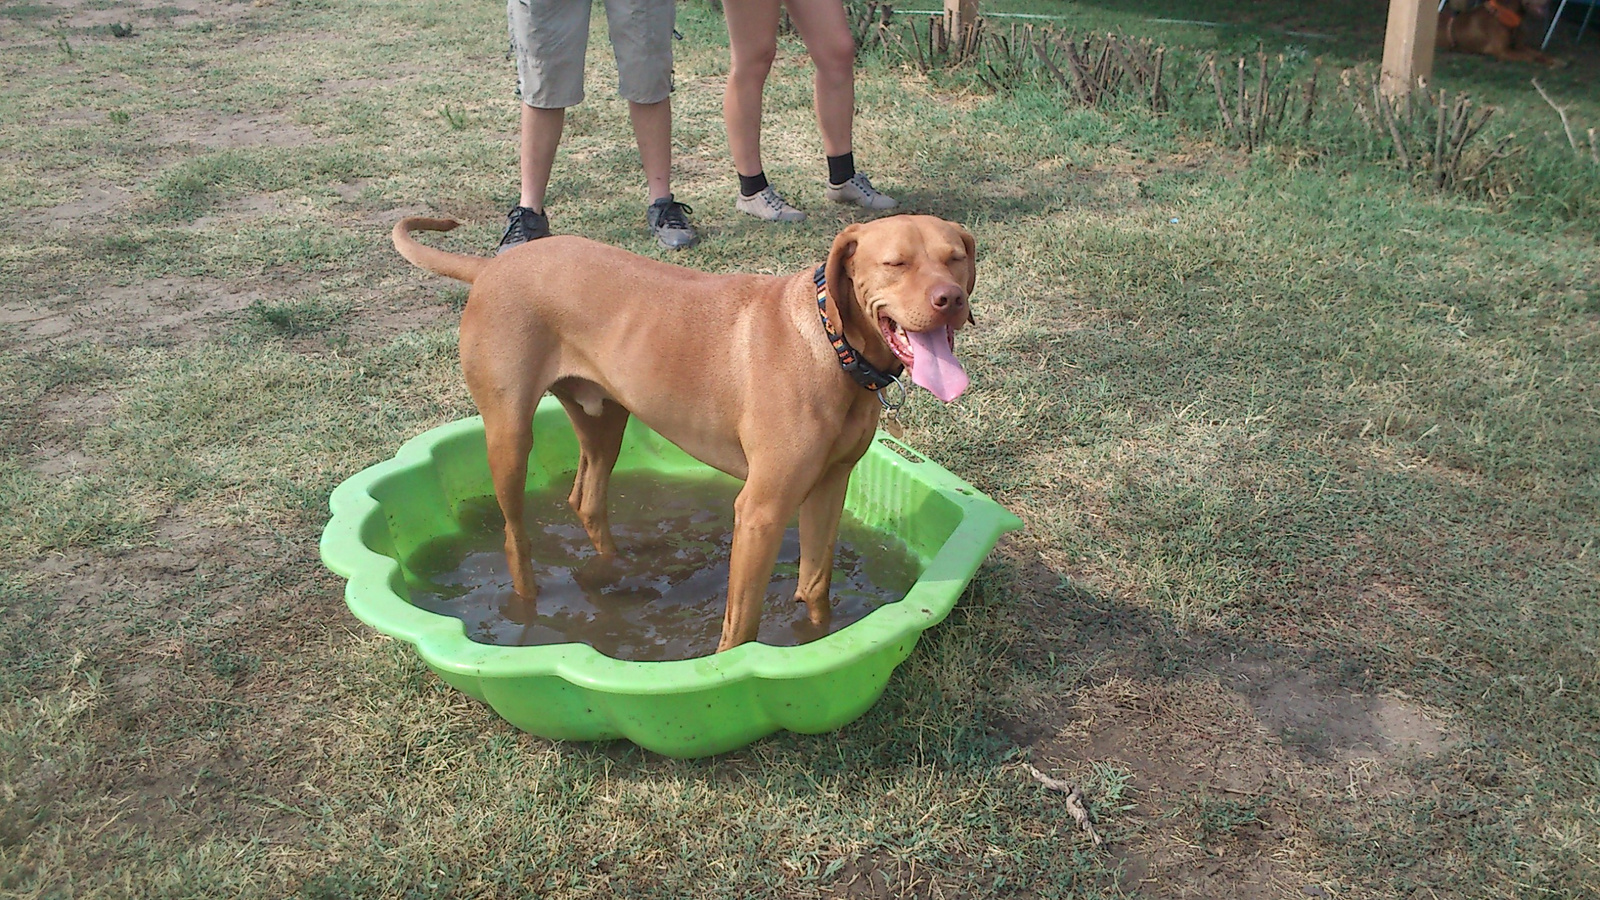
641,39
548,38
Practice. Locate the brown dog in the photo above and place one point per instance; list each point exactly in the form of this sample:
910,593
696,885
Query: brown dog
741,371
1492,30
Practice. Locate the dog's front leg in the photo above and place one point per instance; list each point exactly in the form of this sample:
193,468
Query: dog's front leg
760,514
819,537
1528,54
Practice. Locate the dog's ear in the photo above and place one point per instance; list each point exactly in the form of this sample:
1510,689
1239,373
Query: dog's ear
972,260
840,286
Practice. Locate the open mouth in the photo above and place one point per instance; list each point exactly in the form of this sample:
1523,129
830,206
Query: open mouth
900,343
928,355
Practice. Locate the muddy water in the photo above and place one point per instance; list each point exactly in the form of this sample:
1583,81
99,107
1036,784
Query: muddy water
663,596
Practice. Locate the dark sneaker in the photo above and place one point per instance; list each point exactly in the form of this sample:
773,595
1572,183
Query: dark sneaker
523,225
669,220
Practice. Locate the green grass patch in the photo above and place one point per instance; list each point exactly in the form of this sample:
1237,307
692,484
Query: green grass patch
27,11
292,318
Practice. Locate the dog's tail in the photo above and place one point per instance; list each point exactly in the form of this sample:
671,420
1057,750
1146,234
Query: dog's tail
441,262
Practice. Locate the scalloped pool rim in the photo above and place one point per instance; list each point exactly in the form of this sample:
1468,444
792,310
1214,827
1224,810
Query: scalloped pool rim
375,593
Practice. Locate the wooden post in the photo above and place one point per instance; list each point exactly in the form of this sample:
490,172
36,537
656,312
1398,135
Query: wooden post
1408,45
959,15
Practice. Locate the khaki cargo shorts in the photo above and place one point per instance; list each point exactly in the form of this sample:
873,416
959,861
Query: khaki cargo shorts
549,38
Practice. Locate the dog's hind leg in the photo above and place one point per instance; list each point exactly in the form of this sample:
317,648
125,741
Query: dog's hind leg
506,391
508,432
598,422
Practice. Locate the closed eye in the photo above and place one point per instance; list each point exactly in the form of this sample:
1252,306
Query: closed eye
894,263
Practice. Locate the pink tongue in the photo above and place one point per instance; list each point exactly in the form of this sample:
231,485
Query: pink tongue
934,367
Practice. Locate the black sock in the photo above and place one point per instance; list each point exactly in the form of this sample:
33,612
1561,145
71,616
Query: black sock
841,168
751,185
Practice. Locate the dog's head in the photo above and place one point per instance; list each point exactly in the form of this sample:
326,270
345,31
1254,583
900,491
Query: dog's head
910,281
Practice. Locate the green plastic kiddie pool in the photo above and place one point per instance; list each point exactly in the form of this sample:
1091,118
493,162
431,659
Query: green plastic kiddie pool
683,708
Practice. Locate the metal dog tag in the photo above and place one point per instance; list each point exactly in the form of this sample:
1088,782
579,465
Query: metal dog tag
890,419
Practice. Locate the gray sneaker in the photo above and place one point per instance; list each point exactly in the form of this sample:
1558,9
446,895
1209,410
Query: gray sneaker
859,191
768,205
669,220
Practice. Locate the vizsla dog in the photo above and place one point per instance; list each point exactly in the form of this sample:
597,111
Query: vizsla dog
771,379
1492,30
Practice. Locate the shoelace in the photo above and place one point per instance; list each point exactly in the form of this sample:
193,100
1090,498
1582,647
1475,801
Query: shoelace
773,200
675,215
522,225
863,185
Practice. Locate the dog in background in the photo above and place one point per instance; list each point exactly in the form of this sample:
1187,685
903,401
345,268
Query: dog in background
1492,29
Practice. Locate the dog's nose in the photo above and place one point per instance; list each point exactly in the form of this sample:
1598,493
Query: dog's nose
948,298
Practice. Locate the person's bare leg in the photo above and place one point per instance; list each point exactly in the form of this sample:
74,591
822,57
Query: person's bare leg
652,130
826,32
752,45
823,27
541,134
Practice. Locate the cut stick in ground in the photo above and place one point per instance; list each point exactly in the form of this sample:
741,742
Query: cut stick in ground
1074,801
1560,111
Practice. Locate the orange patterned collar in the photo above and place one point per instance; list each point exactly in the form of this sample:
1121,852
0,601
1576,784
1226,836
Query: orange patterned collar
854,364
1510,18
